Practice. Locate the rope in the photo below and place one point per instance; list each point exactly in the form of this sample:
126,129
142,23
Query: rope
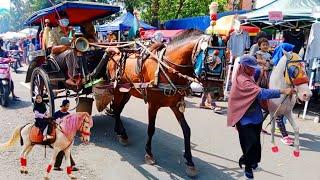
117,46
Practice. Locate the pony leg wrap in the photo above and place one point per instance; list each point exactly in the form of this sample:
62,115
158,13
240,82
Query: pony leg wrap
23,162
69,169
49,168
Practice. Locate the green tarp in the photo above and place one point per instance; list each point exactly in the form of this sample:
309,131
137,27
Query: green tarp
292,10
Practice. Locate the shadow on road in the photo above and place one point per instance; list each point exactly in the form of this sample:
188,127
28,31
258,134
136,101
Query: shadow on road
167,148
309,142
18,104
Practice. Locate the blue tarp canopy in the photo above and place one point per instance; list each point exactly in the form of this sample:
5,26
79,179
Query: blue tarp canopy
122,23
296,13
199,22
78,12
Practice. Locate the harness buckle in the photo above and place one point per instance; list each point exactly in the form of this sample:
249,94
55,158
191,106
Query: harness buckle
169,92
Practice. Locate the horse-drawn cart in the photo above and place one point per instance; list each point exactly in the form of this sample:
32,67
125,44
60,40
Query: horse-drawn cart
47,76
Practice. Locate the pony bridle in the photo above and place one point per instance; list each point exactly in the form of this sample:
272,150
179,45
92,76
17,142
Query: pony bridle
84,133
295,76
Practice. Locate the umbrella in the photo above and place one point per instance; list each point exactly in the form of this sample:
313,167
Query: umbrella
224,26
78,12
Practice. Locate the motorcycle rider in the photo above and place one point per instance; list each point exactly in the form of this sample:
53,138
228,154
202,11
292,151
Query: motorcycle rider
4,54
14,47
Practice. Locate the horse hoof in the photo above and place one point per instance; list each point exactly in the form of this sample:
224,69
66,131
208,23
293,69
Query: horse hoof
71,176
275,149
149,160
296,153
191,171
123,141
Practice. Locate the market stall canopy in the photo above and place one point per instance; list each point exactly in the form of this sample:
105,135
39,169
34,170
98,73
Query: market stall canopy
29,31
166,34
199,22
78,12
224,26
12,35
292,11
122,23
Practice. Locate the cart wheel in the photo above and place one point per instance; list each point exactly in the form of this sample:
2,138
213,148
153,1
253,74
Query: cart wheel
40,84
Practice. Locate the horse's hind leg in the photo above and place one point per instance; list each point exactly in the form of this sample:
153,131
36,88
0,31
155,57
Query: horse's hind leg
296,152
191,170
120,100
152,113
23,158
26,153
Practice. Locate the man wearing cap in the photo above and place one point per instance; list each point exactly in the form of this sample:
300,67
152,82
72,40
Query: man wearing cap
244,111
58,115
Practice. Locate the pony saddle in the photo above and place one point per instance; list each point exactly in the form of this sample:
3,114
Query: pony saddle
36,136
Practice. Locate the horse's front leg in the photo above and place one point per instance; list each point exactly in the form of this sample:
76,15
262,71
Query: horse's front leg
152,113
273,127
68,161
120,101
53,159
295,128
191,170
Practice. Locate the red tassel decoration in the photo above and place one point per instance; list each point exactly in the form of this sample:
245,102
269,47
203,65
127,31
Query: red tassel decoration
23,162
296,153
69,169
49,168
275,149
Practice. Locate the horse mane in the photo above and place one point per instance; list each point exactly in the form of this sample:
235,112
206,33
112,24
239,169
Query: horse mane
72,122
185,35
156,46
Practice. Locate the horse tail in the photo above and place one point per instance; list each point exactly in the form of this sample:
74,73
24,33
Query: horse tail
12,141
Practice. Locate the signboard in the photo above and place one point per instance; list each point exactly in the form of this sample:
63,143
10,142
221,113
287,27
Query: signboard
275,16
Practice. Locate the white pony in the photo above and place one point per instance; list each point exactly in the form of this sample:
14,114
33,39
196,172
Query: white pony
289,72
65,133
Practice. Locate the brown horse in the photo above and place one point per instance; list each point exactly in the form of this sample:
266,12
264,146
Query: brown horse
178,55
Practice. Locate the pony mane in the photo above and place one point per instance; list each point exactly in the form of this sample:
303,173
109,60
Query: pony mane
72,122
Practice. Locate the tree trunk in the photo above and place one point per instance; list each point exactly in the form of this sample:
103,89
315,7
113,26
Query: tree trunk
179,9
155,13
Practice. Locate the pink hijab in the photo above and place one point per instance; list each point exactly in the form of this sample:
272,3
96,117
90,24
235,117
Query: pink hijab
243,92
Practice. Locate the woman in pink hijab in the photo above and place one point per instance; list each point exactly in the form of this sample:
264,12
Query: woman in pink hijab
244,111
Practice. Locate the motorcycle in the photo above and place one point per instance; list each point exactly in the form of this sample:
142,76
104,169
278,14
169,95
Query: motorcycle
5,80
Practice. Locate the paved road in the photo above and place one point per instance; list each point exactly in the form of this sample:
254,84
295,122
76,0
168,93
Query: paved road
215,147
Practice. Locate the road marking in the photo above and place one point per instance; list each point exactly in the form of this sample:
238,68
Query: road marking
26,85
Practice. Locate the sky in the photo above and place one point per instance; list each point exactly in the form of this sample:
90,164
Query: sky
5,4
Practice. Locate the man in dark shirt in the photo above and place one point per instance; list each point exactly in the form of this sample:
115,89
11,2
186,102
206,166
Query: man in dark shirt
58,115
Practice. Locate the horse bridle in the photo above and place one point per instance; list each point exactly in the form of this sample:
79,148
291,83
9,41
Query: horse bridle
84,133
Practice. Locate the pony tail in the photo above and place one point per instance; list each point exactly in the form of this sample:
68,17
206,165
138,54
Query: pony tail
12,141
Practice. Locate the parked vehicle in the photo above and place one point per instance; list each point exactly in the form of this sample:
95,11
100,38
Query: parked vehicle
5,80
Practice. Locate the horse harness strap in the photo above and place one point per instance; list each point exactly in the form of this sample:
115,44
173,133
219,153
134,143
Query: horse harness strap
170,69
